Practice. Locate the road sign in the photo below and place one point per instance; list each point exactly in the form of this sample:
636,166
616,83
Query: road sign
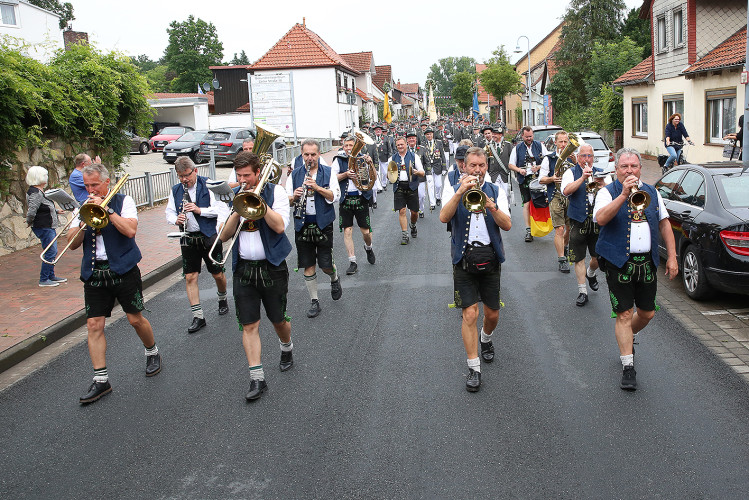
272,101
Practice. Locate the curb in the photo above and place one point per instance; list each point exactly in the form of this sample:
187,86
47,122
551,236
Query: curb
59,330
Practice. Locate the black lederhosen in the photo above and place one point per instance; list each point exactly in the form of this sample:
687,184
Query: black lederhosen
634,284
257,281
314,244
354,207
469,288
405,197
583,237
196,247
105,285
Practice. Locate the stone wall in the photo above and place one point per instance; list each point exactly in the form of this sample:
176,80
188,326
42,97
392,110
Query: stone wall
57,158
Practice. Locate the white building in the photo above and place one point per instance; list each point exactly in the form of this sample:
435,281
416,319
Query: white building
190,110
33,25
366,91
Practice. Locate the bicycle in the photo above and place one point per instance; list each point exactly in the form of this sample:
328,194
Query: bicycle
681,158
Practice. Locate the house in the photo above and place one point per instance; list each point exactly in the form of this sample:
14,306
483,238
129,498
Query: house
416,104
190,110
34,25
699,51
232,94
383,78
324,84
516,106
366,91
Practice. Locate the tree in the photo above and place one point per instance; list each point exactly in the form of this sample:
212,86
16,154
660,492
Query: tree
441,74
462,92
638,30
193,47
608,61
242,59
64,10
144,63
500,78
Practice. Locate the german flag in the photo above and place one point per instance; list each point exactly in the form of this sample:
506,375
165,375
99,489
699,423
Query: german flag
540,220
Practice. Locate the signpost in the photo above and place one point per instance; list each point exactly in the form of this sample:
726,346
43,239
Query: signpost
272,101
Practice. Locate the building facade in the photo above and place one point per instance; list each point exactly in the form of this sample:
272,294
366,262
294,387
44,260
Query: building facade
33,25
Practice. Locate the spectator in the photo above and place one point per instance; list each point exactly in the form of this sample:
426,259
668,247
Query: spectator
675,132
42,217
76,177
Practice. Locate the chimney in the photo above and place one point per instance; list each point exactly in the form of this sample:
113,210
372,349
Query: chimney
71,37
304,22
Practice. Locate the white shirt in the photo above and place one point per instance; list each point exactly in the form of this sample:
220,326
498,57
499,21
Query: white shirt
418,167
191,224
639,236
250,242
568,177
334,186
544,172
514,156
129,211
477,230
233,174
336,169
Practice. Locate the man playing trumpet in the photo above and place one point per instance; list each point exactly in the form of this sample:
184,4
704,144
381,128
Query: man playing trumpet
259,271
197,213
109,271
477,256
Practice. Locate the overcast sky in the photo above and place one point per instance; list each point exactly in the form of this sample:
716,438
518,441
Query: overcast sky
410,39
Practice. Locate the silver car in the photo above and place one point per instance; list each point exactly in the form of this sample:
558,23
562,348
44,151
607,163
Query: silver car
604,156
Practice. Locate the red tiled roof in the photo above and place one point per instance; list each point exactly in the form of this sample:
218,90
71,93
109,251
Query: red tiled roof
408,88
730,53
169,95
301,48
232,66
244,108
360,61
382,75
363,95
641,73
406,101
483,94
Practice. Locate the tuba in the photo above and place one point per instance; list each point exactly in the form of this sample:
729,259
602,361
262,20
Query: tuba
364,168
563,164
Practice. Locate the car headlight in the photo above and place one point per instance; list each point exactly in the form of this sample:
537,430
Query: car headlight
185,150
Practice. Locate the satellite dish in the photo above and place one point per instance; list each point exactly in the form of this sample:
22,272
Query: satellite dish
216,84
206,87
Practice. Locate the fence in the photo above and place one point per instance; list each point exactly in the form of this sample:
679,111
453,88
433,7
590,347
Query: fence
150,188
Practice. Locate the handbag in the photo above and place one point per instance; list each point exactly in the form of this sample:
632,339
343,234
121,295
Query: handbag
480,259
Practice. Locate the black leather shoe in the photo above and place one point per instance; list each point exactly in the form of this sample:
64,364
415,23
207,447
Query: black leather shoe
335,289
96,391
592,282
314,309
374,205
287,360
487,351
370,255
528,236
421,214
474,380
352,268
223,307
414,232
582,299
257,388
153,365
197,324
629,379
439,203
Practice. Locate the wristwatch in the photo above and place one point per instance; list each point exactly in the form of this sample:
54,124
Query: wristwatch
110,210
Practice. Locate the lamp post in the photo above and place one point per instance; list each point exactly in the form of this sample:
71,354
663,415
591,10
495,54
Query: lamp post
528,83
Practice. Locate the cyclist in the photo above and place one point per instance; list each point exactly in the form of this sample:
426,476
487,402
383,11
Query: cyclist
675,135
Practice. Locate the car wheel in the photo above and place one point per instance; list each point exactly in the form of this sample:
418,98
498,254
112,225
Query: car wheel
195,158
144,148
693,274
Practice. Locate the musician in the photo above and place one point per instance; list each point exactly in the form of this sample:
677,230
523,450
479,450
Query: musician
627,251
354,205
477,256
314,190
456,170
109,271
406,189
434,161
259,271
476,137
441,135
421,139
550,176
583,231
424,181
197,211
385,149
529,154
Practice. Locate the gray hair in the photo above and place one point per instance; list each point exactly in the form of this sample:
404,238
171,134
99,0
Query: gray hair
628,151
81,158
36,176
311,142
96,168
249,140
585,145
350,138
183,164
473,150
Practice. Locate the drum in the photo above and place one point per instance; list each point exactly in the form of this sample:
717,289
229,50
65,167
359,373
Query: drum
536,187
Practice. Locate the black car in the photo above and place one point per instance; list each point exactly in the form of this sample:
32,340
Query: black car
225,143
186,145
708,207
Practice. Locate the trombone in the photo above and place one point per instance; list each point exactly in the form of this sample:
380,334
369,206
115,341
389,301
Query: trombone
93,215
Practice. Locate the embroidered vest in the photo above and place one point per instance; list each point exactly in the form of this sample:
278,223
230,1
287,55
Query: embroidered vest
413,183
461,220
207,224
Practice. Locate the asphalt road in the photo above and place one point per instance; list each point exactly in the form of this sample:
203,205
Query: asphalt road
375,406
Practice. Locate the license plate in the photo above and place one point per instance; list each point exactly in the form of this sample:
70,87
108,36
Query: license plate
171,154
211,147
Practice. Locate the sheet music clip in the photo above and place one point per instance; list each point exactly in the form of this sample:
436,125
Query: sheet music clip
62,198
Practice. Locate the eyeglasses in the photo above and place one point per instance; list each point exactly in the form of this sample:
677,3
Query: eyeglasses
585,156
185,176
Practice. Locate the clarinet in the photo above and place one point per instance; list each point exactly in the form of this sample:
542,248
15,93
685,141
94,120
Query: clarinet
300,206
185,199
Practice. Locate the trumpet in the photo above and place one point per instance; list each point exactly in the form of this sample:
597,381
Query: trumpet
638,199
93,215
474,200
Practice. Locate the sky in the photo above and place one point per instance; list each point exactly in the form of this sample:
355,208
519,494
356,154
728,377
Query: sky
410,39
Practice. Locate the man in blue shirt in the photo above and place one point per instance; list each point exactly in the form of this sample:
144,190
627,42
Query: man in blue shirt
76,177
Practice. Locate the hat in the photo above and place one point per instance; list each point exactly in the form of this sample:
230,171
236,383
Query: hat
460,152
485,128
498,129
429,130
377,126
410,133
344,135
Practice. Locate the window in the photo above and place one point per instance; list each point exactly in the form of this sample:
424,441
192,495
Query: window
640,116
721,114
678,24
667,184
691,190
673,103
8,15
661,33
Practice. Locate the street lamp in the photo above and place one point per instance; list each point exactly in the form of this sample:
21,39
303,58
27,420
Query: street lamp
528,84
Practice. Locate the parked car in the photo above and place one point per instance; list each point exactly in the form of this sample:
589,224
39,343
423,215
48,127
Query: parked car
167,135
541,133
225,143
138,144
708,207
187,145
604,156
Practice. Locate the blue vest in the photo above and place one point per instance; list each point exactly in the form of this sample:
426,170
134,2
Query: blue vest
122,252
413,184
344,184
453,176
207,224
613,240
298,162
277,246
578,207
520,152
461,219
324,210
